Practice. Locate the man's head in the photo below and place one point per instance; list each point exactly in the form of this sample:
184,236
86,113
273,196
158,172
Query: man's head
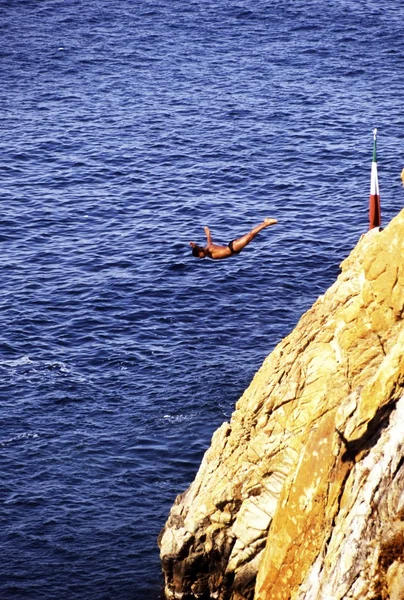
198,251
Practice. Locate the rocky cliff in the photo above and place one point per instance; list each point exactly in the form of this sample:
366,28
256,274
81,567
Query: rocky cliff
301,495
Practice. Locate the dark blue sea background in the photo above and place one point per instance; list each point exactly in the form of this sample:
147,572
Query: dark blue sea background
125,127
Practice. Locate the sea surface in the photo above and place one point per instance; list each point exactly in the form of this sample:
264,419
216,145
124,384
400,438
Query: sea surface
125,127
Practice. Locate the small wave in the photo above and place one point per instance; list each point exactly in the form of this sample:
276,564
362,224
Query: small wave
21,437
176,418
18,362
157,349
58,366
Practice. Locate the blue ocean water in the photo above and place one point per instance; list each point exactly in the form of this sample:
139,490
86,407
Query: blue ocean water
125,127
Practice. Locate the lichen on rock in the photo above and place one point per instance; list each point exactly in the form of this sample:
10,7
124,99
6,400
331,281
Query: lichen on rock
301,495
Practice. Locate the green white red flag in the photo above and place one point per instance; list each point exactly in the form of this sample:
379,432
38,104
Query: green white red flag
375,217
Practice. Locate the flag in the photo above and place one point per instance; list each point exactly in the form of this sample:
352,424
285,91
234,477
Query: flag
375,218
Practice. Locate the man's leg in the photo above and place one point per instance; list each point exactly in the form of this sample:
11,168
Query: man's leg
242,241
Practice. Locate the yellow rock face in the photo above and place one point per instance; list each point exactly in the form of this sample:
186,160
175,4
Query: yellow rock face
291,500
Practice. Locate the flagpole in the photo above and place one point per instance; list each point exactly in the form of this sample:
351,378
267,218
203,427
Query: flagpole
375,218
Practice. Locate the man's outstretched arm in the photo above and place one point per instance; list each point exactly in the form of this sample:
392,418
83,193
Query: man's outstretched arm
208,236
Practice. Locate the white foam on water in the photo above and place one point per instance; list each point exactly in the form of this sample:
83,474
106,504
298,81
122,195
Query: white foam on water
18,362
18,438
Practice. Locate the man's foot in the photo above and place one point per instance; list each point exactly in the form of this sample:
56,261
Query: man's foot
269,221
